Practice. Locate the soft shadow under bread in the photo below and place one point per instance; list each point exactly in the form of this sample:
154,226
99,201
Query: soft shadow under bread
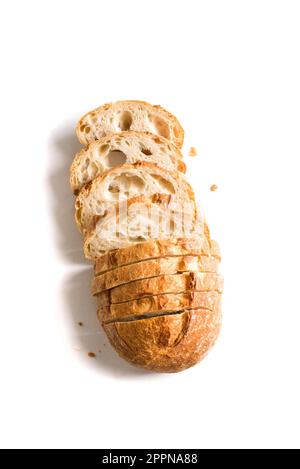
80,305
88,335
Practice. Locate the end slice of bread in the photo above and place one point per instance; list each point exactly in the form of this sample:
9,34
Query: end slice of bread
129,115
167,343
126,147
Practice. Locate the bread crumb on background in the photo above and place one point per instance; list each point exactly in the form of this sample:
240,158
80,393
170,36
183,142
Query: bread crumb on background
214,187
80,324
193,151
92,355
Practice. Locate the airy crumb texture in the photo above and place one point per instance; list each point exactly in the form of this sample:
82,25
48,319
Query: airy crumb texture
137,116
214,187
126,147
193,151
123,183
92,355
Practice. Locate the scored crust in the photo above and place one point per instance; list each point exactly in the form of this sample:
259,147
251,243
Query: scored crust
126,147
157,304
129,115
177,283
155,249
168,343
153,268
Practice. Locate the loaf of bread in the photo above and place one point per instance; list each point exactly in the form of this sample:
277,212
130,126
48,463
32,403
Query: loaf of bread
153,268
159,304
126,147
154,249
129,115
169,283
156,269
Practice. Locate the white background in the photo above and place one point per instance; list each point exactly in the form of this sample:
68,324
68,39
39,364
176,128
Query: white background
230,71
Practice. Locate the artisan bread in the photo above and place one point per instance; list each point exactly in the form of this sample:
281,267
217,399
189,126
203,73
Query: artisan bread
153,268
142,219
125,182
129,115
167,343
126,147
157,304
156,274
177,283
155,249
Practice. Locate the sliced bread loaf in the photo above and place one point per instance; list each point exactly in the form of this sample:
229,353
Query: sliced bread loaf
167,343
153,268
125,182
178,283
142,219
158,304
126,147
155,249
129,115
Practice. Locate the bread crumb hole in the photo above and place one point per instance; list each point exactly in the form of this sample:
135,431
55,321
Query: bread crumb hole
160,127
103,149
114,158
164,185
113,189
125,120
214,187
127,184
82,127
176,132
193,151
87,130
146,151
137,239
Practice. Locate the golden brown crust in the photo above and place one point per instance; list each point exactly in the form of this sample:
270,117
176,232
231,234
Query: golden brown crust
156,249
158,304
86,139
178,283
153,268
167,343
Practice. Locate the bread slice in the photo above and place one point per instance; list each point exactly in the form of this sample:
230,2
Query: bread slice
126,147
142,219
167,343
178,283
129,115
153,268
125,182
158,304
155,249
